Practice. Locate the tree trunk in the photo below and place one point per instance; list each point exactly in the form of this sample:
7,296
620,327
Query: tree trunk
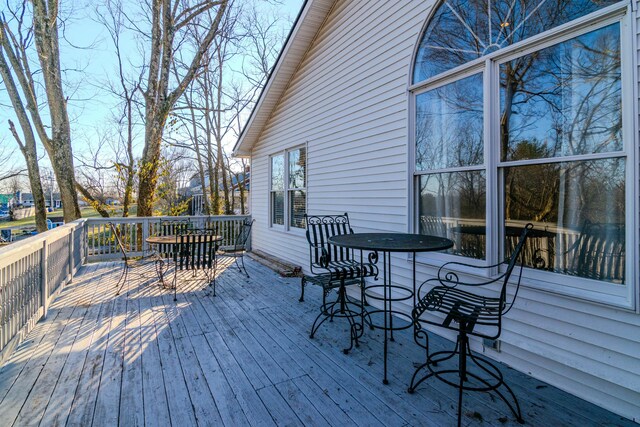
158,99
214,188
30,154
243,209
95,203
28,148
59,147
148,170
202,175
128,186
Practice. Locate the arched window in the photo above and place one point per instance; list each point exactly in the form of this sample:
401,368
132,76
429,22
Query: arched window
520,115
463,30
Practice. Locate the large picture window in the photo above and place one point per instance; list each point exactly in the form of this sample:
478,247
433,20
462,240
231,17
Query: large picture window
518,121
288,195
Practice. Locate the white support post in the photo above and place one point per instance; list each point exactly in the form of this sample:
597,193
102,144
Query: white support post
44,280
70,278
145,235
85,241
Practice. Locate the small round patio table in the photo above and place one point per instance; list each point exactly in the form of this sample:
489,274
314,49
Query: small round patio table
174,239
388,243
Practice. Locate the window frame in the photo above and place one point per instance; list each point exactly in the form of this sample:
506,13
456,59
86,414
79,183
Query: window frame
287,227
272,191
623,296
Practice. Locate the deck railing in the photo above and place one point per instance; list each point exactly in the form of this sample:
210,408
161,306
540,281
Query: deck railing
101,244
33,271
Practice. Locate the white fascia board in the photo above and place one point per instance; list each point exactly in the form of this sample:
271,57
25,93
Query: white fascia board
302,34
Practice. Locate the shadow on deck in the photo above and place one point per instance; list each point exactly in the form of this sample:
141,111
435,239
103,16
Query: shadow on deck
241,358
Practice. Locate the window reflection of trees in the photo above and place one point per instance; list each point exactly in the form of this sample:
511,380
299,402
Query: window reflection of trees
463,30
449,125
449,201
297,168
297,185
565,100
562,100
567,97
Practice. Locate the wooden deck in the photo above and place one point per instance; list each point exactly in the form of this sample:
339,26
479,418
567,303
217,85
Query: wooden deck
241,358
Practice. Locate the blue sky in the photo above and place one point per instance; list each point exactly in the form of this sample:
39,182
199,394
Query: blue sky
88,56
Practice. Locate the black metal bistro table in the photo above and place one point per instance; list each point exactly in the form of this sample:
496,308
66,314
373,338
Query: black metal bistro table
387,243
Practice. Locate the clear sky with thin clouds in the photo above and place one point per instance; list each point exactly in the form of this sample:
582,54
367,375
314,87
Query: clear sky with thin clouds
88,56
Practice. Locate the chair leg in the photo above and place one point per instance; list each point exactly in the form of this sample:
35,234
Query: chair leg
175,284
465,356
215,269
303,283
243,267
339,308
462,369
496,375
322,317
124,277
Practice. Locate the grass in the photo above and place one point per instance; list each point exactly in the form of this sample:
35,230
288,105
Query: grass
86,212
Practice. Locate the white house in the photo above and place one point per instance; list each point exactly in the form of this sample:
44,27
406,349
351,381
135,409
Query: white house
428,116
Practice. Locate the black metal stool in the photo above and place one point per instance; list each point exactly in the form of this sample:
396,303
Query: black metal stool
468,314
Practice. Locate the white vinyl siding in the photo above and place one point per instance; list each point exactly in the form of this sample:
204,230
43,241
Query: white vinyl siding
349,101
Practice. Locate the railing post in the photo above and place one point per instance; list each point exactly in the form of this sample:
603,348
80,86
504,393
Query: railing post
44,281
71,243
145,235
85,241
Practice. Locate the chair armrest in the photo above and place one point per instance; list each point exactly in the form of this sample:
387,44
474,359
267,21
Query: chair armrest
448,277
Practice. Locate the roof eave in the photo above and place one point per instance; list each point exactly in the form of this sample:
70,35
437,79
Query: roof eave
308,22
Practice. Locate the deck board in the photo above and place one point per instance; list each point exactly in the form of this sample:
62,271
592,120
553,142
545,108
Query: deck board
243,357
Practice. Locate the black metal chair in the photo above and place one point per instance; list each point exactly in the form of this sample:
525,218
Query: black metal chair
132,263
173,227
195,250
334,267
239,247
468,313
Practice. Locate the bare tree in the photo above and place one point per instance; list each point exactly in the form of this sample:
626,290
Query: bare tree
44,33
126,89
175,171
226,88
195,135
168,18
7,164
28,147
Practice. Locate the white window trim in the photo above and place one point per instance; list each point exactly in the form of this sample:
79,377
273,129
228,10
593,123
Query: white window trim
287,228
271,191
623,296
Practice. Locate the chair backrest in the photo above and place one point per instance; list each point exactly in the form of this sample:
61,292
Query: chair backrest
173,227
511,264
169,227
319,229
116,234
243,235
195,249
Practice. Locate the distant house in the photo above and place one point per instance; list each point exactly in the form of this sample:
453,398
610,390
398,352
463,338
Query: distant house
429,116
48,200
25,200
194,190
